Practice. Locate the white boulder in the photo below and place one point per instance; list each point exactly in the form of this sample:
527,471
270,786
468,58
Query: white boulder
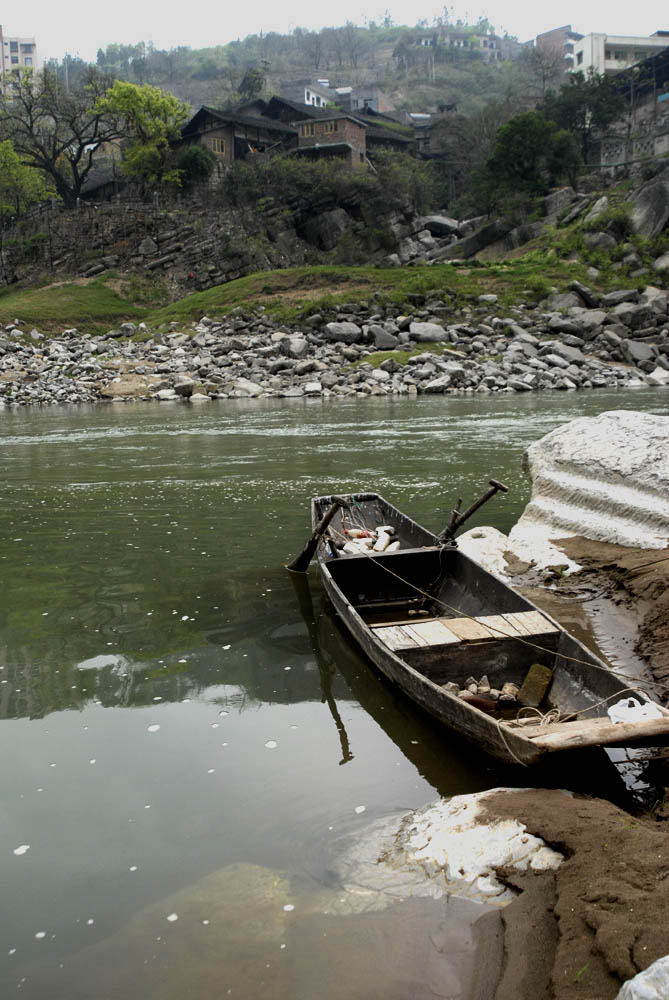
605,478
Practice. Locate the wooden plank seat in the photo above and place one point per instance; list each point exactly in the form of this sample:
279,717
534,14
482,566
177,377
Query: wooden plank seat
448,631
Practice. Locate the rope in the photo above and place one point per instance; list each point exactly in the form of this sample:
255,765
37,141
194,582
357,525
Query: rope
555,715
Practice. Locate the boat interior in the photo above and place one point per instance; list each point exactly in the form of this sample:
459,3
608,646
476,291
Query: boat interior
450,620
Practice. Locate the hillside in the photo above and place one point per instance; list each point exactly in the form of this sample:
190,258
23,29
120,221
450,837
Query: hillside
419,68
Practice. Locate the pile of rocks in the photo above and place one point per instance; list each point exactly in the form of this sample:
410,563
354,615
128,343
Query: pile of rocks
576,340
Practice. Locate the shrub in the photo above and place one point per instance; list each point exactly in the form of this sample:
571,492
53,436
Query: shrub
195,164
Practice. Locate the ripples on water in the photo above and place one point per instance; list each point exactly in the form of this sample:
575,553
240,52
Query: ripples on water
175,737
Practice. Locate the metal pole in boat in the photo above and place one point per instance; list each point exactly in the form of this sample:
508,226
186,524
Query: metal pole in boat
301,563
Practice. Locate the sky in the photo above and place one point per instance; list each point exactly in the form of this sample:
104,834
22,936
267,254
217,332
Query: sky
71,27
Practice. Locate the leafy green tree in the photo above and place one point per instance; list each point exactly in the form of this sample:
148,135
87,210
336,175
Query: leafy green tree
20,186
529,154
584,106
151,118
519,153
55,130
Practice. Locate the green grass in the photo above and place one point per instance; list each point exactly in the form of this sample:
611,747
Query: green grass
91,308
291,295
296,293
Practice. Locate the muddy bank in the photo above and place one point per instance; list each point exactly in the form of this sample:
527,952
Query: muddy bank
608,900
636,580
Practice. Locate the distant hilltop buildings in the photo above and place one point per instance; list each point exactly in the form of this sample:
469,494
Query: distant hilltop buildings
18,52
602,53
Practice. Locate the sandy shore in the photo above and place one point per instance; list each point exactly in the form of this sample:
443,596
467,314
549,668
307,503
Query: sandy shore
602,917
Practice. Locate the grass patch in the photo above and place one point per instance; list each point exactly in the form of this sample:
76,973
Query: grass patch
296,293
91,307
376,358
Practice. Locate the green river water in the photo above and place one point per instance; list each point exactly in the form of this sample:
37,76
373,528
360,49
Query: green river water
180,752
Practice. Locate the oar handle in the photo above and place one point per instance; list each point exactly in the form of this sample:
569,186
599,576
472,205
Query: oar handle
457,519
301,563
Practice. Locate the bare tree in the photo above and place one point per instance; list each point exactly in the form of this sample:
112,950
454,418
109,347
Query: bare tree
58,131
545,66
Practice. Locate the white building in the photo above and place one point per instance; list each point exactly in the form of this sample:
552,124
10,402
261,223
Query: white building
17,53
613,53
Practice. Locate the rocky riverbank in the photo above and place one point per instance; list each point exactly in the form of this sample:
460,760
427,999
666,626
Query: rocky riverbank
574,340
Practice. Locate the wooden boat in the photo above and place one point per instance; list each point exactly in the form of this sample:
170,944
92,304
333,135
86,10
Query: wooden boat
430,618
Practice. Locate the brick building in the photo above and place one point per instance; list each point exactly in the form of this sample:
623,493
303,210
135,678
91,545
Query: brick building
337,136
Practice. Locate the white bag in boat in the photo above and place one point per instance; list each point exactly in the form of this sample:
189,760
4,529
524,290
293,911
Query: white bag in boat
631,710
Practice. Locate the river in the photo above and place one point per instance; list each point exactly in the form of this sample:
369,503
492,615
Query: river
180,753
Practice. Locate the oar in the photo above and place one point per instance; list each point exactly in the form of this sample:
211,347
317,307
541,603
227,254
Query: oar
301,563
458,519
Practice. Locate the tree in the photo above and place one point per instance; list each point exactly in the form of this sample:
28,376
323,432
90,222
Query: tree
152,119
252,83
586,105
529,154
518,156
20,186
195,164
545,66
57,131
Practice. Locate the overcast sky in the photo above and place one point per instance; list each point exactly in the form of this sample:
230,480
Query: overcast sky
81,30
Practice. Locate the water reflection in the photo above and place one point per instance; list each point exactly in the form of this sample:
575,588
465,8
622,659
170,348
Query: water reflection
167,710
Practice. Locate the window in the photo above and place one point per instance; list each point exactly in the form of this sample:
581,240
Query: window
619,54
28,60
607,54
27,47
330,127
579,58
307,130
218,146
640,55
13,46
15,60
308,97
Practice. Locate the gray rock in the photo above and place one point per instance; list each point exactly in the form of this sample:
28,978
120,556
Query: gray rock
621,295
344,332
147,247
558,200
470,245
294,347
325,230
599,241
590,298
184,386
650,211
441,225
438,384
638,352
661,264
600,206
564,300
383,340
427,332
571,354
